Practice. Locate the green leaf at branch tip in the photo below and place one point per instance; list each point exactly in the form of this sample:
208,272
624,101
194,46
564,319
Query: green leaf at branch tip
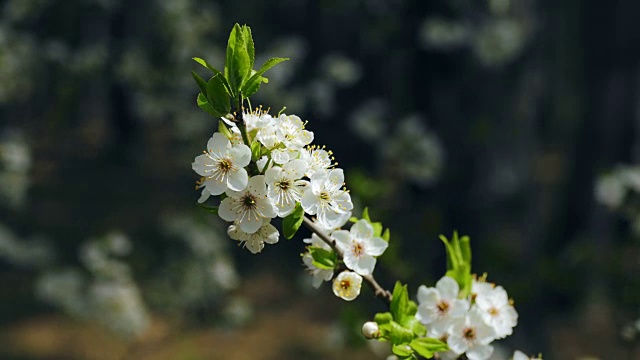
201,83
237,67
210,209
353,219
224,130
400,307
427,347
459,261
217,96
386,235
365,214
377,228
403,350
252,84
214,71
291,223
383,318
251,50
323,259
203,103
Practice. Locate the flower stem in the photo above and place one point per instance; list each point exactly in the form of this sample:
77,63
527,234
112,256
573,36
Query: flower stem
379,291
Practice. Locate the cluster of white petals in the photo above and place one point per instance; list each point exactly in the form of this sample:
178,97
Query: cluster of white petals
291,173
470,324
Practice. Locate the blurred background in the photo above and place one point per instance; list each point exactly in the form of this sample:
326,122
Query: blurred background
515,122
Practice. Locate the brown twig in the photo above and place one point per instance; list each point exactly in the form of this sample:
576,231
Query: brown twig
378,290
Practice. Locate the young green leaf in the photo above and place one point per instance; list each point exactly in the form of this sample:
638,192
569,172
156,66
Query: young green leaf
323,259
255,150
402,350
292,222
365,214
204,105
253,83
217,96
399,302
222,128
214,71
248,39
427,347
201,83
377,228
237,67
386,235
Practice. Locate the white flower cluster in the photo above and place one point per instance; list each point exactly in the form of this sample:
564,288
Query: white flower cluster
290,172
469,324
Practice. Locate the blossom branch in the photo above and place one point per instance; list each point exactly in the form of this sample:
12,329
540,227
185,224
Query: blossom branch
378,290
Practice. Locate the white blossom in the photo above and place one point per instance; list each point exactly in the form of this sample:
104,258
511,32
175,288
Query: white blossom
319,275
222,166
266,234
471,336
370,330
285,186
360,247
325,197
347,285
440,305
250,208
496,311
316,159
290,131
519,355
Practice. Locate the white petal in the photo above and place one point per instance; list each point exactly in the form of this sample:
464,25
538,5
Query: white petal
343,239
237,180
295,169
376,246
448,288
280,156
362,230
336,178
250,225
457,344
309,202
343,201
218,144
427,295
225,210
365,265
459,308
318,180
271,234
273,175
283,210
479,352
240,155
200,163
254,245
204,196
215,187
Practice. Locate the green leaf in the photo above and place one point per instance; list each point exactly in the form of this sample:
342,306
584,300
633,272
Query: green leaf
353,219
250,47
253,83
402,350
255,150
323,259
427,347
377,228
224,130
237,67
365,214
386,235
210,209
396,333
383,318
292,222
400,301
204,105
201,83
217,96
215,72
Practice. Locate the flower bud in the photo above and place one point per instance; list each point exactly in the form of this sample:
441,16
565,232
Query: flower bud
370,330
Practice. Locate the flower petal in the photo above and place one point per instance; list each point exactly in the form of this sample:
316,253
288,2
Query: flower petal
376,246
225,210
448,288
362,230
237,179
240,155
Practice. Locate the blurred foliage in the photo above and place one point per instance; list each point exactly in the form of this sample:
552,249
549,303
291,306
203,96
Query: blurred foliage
492,117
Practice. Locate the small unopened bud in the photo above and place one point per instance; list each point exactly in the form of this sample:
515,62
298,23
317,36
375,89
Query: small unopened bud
370,330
